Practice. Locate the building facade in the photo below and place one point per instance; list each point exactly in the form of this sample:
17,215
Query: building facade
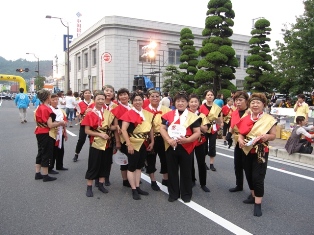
110,52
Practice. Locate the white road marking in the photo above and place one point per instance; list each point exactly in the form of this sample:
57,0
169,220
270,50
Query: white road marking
205,212
71,133
280,170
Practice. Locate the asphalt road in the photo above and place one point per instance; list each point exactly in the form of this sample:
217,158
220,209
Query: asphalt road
32,207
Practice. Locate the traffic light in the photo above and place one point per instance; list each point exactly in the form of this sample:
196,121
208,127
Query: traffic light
19,70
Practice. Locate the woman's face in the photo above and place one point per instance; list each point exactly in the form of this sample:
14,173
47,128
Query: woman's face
181,104
54,102
241,103
194,104
87,95
124,98
256,106
137,102
109,93
154,99
100,101
209,96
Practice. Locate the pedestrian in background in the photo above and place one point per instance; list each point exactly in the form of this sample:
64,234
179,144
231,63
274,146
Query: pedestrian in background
22,102
301,108
70,105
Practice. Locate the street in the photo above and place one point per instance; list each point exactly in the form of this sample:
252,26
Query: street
31,206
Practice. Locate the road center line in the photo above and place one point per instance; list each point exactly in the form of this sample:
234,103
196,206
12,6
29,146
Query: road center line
205,212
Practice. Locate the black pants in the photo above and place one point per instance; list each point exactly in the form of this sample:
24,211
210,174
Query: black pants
200,157
81,140
124,149
45,149
238,158
179,159
108,161
255,173
58,155
225,128
210,149
159,148
98,163
137,160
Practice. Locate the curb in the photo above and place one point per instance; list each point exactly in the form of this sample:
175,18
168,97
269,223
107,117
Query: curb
297,157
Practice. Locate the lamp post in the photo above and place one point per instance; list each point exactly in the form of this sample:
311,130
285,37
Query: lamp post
68,48
27,53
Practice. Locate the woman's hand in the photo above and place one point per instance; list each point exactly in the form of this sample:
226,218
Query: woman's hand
104,136
118,145
130,149
172,142
150,146
182,140
241,141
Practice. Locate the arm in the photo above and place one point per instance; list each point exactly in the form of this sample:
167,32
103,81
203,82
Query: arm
125,135
152,140
196,134
88,131
296,106
166,137
52,124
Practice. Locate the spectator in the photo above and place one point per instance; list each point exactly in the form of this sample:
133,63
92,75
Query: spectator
70,105
301,108
295,142
165,100
22,102
219,100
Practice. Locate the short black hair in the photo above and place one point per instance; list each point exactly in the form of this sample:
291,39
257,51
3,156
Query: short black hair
21,89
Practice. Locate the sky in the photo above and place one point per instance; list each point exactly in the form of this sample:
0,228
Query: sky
25,29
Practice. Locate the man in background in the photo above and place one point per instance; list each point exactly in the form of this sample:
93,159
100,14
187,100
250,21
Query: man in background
165,100
22,102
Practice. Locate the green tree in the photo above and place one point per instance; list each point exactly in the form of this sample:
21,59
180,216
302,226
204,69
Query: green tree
259,71
172,80
295,56
39,83
188,59
218,57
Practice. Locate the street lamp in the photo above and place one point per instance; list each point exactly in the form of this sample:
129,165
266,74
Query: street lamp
68,48
27,53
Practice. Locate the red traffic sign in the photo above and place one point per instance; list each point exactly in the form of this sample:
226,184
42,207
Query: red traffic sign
107,57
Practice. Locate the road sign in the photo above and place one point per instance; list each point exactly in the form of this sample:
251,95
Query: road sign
107,57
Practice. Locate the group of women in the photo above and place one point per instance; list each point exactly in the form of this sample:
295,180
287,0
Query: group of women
175,136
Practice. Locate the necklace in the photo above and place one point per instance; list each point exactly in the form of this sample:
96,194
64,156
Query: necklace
258,117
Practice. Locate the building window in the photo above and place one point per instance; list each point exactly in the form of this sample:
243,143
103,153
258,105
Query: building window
145,59
86,60
79,87
239,61
174,56
94,83
78,63
245,62
94,61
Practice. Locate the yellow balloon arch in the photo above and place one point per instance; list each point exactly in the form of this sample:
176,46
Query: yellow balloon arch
14,78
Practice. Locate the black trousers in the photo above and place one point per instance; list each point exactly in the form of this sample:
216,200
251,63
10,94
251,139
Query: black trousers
210,148
137,160
108,161
238,159
81,140
255,173
159,148
200,157
98,163
58,155
45,149
179,159
225,128
124,149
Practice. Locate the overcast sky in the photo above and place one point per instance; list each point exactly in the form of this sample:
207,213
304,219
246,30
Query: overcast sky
24,27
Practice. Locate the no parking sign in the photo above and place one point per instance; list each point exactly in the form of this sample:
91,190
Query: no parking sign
107,57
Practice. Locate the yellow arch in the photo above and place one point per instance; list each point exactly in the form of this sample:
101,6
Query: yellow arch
14,78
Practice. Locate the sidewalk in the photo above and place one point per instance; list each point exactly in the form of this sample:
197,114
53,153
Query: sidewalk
277,149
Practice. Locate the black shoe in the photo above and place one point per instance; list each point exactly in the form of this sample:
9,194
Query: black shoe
53,172
135,195
250,200
89,192
25,121
170,199
225,143
101,188
164,182
62,169
96,183
258,210
207,168
47,178
75,158
126,183
236,189
186,200
193,184
141,192
155,186
38,176
107,182
212,167
205,189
